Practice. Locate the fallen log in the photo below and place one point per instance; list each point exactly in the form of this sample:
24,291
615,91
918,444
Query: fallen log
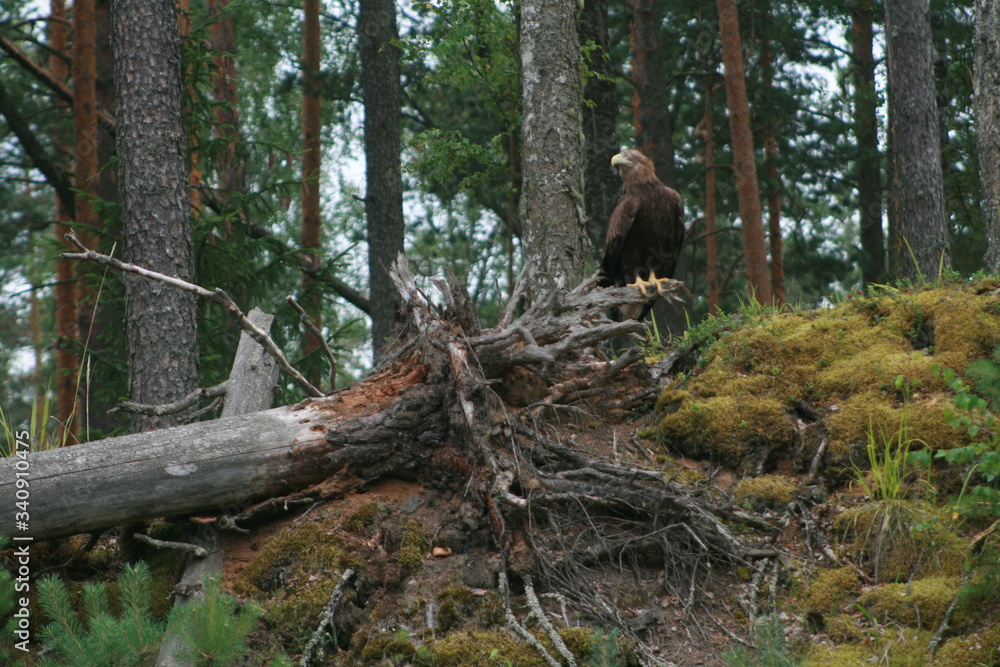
431,414
428,414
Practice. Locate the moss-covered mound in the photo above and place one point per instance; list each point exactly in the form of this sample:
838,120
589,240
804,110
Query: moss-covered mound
867,365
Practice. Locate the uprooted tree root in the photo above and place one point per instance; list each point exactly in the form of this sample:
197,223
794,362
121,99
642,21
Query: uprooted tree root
556,512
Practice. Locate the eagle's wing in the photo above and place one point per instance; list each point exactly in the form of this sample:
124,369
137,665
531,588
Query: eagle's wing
619,225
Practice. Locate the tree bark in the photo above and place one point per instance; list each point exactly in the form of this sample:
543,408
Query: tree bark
67,362
312,126
232,177
987,107
650,101
161,324
916,187
97,325
744,163
382,97
600,125
87,144
868,165
85,133
551,207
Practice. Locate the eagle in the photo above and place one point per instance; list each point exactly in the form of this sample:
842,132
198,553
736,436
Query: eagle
645,232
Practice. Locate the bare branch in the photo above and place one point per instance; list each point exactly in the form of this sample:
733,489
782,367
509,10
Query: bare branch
218,296
309,324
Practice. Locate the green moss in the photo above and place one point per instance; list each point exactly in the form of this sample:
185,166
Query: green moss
365,517
924,425
671,398
978,648
737,431
412,548
892,647
393,646
460,608
766,491
844,628
490,649
901,540
293,576
919,603
830,588
847,361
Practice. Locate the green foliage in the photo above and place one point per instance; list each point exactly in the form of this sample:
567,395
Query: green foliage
604,649
8,624
41,431
980,494
889,463
98,637
985,373
213,631
770,649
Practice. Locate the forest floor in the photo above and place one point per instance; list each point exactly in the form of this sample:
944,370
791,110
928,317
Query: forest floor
871,469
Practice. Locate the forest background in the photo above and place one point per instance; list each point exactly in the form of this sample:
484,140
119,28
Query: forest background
289,195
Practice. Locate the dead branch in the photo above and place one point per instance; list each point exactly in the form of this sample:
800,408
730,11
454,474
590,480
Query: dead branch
521,631
218,296
326,621
198,551
194,398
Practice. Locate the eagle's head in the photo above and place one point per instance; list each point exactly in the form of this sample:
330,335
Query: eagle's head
633,166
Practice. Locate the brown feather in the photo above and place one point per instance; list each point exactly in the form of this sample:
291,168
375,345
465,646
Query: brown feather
646,229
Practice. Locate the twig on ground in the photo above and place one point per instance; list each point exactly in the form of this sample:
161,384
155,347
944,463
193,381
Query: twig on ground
512,621
200,552
946,620
326,620
543,620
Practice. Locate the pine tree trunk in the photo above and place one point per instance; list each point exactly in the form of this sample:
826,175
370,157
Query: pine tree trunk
744,163
312,126
86,166
771,165
161,323
382,98
987,106
97,324
711,238
600,125
85,134
551,207
916,187
650,102
232,177
868,169
67,332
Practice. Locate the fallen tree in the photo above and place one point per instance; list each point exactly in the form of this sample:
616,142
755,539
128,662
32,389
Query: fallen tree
432,413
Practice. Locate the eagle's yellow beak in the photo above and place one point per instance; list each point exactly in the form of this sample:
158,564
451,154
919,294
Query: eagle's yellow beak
619,158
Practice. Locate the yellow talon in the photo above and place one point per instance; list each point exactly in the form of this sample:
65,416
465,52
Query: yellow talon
659,284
